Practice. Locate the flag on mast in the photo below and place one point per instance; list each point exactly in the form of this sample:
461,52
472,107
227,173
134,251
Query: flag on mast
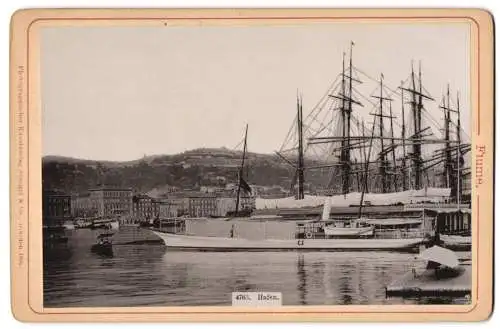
244,185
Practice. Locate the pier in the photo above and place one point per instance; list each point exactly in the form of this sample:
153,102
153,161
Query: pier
427,284
451,221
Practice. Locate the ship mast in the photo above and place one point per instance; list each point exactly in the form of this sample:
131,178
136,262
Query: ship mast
300,166
418,130
393,148
345,152
403,137
416,107
413,167
452,177
382,167
383,151
448,171
358,182
240,172
367,162
347,171
459,152
345,144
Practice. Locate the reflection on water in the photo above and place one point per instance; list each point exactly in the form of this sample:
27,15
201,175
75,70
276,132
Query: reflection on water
143,275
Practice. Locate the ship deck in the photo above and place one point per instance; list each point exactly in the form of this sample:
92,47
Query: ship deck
340,212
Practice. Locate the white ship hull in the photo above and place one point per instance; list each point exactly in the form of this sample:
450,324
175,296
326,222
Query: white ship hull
69,226
233,244
110,225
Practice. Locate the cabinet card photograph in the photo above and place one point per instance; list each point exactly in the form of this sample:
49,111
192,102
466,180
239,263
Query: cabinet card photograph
252,165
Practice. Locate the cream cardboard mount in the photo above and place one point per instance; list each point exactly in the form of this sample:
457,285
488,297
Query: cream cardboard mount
377,207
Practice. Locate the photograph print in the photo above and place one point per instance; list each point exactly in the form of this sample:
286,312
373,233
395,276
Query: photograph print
320,163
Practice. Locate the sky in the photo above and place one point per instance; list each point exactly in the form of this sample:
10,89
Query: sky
119,93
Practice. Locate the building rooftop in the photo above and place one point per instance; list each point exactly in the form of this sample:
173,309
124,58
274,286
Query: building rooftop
108,188
191,194
81,195
55,193
142,196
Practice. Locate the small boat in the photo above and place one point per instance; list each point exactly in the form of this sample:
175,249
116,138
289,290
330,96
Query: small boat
105,223
113,225
53,236
145,224
441,256
104,245
82,223
444,262
69,225
348,231
353,229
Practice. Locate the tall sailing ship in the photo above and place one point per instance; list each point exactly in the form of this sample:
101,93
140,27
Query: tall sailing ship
386,155
359,158
242,185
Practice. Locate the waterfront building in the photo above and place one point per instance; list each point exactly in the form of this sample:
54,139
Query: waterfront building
173,207
202,205
56,208
225,205
190,203
228,204
112,202
155,207
82,205
142,207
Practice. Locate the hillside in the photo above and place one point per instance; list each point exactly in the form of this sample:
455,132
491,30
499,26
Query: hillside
185,170
192,169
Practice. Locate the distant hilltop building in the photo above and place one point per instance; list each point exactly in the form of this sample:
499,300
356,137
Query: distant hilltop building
162,191
213,152
211,157
212,189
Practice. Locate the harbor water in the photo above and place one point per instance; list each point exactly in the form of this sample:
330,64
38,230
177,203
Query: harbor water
150,275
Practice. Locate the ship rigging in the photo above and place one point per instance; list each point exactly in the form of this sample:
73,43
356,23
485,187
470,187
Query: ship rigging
334,138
